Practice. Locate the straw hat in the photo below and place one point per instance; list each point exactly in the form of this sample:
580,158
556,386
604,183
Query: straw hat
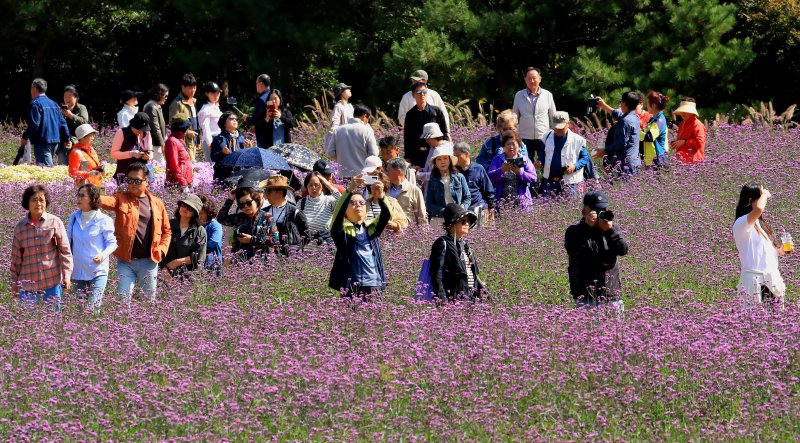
278,182
687,107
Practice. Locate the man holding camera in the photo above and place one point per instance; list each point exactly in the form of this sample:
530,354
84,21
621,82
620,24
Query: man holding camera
593,245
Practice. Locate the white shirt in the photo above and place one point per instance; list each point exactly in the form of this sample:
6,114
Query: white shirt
408,102
756,251
209,121
125,115
341,113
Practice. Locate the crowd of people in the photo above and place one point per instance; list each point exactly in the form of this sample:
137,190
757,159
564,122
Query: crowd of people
534,155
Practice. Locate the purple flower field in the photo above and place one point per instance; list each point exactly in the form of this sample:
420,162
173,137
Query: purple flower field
266,352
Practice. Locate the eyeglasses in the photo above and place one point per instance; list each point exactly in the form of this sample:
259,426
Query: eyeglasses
135,181
233,119
421,92
357,203
83,195
245,204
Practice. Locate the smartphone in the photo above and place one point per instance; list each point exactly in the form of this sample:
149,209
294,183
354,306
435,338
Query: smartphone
232,101
370,180
84,166
63,106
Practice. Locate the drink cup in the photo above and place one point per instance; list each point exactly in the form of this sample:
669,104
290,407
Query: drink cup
788,244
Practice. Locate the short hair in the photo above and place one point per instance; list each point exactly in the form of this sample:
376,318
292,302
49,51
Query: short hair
507,116
209,207
388,141
510,135
630,99
39,84
188,79
138,166
686,98
247,192
72,90
360,110
657,99
94,194
32,190
398,164
529,69
265,80
224,119
417,85
462,147
158,91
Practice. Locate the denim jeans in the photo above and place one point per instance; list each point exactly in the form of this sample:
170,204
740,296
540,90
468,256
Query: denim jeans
44,153
139,270
62,155
552,188
34,298
94,288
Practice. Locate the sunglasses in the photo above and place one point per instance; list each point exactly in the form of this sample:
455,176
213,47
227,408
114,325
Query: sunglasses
245,204
357,203
135,181
421,92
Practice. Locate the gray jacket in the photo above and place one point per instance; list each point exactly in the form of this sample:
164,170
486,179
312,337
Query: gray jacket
158,128
350,145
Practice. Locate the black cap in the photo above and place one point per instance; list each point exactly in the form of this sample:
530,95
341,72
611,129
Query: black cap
596,200
211,87
323,167
141,121
128,94
454,212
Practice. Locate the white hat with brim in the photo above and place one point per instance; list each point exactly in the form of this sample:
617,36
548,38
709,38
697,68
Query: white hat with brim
431,130
687,108
446,148
371,163
84,130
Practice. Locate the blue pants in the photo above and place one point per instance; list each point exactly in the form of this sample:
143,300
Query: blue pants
94,288
62,155
139,270
552,188
44,153
34,298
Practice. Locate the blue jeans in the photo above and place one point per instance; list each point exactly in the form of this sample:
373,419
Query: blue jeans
44,153
552,188
139,270
34,298
94,288
62,155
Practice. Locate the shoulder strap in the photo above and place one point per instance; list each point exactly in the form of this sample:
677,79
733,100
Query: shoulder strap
303,203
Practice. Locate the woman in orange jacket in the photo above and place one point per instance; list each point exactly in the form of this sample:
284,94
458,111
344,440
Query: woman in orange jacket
84,164
691,142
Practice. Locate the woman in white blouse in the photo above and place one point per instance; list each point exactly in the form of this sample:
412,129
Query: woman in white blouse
343,109
759,250
208,118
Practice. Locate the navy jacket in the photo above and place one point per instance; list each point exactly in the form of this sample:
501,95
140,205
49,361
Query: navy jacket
625,147
256,119
46,124
481,189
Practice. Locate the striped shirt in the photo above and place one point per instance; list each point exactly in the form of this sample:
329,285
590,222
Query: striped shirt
40,253
319,210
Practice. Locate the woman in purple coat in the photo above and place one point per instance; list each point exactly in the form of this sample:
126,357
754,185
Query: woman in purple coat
512,173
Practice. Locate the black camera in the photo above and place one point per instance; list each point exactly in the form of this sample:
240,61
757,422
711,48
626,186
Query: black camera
241,231
591,104
607,215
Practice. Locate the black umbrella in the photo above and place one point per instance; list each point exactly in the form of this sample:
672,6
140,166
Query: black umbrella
256,158
297,155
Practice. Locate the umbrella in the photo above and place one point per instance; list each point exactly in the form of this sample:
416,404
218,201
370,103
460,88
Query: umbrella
297,155
256,158
249,174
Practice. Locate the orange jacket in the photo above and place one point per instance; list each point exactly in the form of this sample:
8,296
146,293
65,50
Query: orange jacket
87,154
693,131
126,210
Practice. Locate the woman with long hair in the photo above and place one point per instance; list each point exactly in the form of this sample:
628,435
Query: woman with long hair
758,248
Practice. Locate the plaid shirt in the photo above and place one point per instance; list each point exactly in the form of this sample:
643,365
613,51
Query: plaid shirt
40,254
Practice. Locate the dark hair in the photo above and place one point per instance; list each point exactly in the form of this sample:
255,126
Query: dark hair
39,84
188,80
280,97
139,166
264,80
640,97
417,85
94,194
360,110
158,91
397,164
510,135
32,190
194,221
435,171
630,99
750,193
657,99
306,180
383,178
72,90
387,141
686,98
223,119
209,207
248,192
529,69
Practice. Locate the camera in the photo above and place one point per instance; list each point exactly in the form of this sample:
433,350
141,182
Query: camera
606,215
241,231
591,104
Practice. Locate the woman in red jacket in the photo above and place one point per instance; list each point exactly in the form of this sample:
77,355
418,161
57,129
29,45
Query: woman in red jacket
179,165
691,142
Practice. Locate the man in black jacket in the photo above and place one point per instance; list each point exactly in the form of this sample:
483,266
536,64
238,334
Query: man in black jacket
416,148
593,245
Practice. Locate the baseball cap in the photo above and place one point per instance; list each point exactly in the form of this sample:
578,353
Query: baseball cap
419,75
560,120
596,200
372,163
323,167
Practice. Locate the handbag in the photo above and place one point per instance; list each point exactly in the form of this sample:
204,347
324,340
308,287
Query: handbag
423,290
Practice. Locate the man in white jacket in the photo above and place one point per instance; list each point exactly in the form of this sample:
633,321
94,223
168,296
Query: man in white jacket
434,99
535,109
352,143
